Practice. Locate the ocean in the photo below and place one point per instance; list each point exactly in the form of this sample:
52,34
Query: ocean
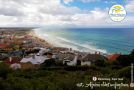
105,40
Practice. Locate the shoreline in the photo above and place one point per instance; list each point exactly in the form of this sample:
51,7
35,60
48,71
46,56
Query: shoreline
27,44
39,39
44,43
30,69
54,46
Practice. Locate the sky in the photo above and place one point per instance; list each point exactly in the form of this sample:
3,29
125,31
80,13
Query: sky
63,13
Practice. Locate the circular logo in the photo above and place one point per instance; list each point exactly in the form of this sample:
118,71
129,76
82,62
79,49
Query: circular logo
117,13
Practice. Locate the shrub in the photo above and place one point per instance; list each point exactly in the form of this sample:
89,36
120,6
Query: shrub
4,70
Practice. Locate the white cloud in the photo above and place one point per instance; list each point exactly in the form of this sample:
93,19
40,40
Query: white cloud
50,12
95,17
130,6
38,11
67,1
5,19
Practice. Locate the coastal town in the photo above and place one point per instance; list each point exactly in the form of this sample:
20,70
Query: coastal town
21,48
28,62
66,44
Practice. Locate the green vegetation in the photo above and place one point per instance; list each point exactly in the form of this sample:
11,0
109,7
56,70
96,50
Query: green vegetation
64,78
55,79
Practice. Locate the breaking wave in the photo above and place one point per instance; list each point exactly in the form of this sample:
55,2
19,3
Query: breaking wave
63,42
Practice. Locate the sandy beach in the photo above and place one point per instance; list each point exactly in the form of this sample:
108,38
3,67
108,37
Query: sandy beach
39,39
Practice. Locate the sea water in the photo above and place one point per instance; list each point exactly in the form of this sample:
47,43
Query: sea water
105,40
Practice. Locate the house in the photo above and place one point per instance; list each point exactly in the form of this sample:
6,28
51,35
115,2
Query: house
4,46
113,57
76,60
93,57
15,66
12,60
71,62
35,59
